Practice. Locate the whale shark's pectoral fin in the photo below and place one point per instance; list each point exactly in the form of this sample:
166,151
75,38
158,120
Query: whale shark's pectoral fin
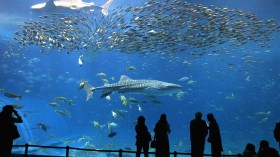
151,90
38,6
106,93
105,7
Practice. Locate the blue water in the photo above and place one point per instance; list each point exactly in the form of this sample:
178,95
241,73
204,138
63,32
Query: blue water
226,85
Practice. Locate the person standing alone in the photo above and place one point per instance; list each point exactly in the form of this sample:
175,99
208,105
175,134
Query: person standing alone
8,129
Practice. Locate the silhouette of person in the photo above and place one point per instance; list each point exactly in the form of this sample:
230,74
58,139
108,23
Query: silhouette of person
266,151
214,136
250,150
162,130
143,137
8,129
198,133
277,133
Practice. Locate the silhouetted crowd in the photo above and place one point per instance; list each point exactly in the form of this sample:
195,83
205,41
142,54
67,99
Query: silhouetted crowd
198,133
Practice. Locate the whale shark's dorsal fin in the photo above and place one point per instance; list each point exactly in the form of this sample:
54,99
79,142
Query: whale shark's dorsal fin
50,4
124,78
105,7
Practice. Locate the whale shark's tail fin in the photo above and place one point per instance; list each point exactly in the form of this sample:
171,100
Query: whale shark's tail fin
106,6
88,88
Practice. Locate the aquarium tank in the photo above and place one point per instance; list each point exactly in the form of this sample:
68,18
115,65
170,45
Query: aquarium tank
80,73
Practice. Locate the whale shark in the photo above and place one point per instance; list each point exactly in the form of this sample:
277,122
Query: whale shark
71,5
130,86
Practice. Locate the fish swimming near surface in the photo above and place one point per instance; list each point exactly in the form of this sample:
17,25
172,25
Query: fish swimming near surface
130,86
71,5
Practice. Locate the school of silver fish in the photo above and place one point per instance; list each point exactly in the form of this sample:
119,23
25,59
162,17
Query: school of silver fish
164,27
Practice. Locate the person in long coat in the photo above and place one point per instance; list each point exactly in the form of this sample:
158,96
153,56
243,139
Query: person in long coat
214,136
162,129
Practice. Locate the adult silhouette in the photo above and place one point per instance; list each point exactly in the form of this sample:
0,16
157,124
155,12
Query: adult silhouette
250,150
266,151
8,130
277,133
198,133
214,136
143,137
162,129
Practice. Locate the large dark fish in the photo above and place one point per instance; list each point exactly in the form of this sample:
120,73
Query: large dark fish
112,134
66,6
130,86
12,95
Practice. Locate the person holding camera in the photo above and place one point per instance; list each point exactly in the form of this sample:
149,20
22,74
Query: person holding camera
8,130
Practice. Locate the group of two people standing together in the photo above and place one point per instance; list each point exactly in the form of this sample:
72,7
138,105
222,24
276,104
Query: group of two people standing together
198,133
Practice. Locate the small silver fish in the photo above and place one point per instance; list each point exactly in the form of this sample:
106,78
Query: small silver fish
80,61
